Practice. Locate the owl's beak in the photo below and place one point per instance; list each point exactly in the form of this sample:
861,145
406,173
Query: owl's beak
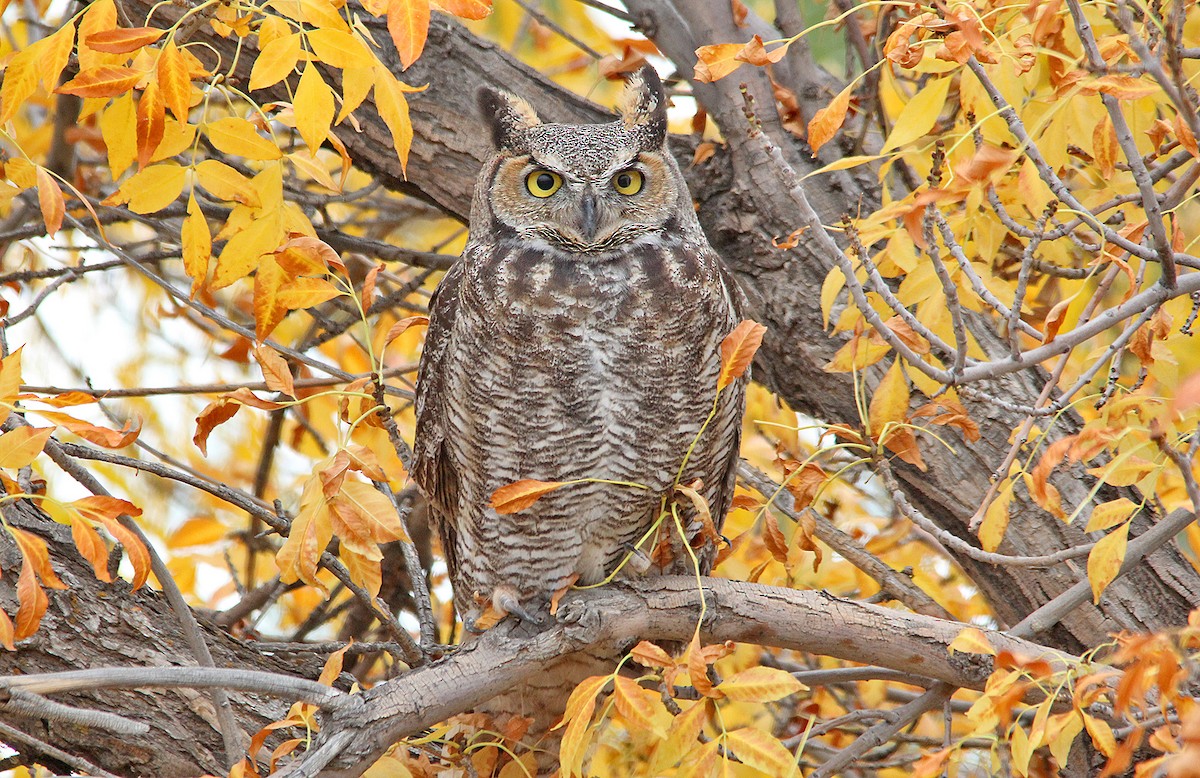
589,215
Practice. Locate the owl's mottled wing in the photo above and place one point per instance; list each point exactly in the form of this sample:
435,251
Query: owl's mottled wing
433,469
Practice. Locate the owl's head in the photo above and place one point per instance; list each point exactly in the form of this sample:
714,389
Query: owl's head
588,189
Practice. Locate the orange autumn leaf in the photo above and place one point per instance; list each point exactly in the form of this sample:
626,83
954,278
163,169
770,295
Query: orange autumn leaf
123,40
214,414
151,123
50,200
275,370
32,599
91,547
467,9
175,81
520,495
397,329
7,633
408,23
737,351
101,436
37,555
138,555
828,120
102,81
716,61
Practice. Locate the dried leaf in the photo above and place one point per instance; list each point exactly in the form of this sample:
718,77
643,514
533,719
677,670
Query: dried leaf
755,53
401,326
123,40
774,540
716,61
214,414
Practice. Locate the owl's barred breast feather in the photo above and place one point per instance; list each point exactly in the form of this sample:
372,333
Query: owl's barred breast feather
591,356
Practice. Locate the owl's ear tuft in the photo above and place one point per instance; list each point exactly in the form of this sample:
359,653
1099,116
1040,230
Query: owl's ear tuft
509,117
643,107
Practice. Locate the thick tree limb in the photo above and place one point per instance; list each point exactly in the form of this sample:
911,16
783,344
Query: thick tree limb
665,608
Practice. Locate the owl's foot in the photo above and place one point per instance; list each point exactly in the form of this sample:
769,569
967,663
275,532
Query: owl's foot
490,611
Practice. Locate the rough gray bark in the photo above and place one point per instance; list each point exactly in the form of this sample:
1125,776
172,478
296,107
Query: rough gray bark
93,624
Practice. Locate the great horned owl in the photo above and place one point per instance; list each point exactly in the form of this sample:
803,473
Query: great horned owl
577,337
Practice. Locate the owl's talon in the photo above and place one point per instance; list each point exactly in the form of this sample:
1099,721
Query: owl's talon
637,558
505,600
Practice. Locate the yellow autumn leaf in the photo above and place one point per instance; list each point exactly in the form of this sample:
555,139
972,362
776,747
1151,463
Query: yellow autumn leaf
889,403
224,183
275,61
1104,561
242,251
971,641
1110,514
20,82
681,737
376,509
314,108
340,49
641,708
919,114
312,529
197,531
237,136
761,751
20,446
152,188
10,382
995,520
577,718
197,244
393,109
118,127
1101,734
356,85
760,684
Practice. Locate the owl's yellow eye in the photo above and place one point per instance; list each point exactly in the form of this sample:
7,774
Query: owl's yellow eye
543,183
628,182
